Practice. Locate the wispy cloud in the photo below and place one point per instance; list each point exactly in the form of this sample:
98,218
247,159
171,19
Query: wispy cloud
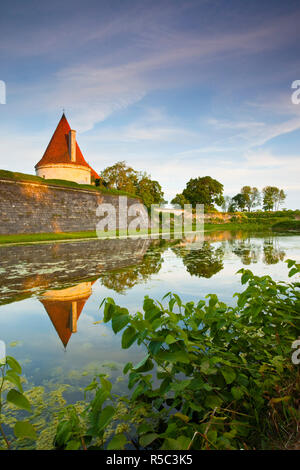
176,88
144,57
254,133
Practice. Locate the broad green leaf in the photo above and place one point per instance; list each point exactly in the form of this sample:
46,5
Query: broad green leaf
293,271
105,417
138,391
100,397
24,429
245,277
129,336
118,322
181,443
213,401
127,367
165,385
207,369
108,309
170,339
228,374
290,262
176,356
154,346
13,364
141,363
106,385
18,399
147,439
144,428
73,445
151,310
178,300
14,379
118,442
148,365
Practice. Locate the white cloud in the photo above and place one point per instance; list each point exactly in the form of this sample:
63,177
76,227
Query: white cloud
251,133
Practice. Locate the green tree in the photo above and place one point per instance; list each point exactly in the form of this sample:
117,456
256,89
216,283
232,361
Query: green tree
251,197
120,176
124,178
205,190
238,202
150,191
273,197
180,200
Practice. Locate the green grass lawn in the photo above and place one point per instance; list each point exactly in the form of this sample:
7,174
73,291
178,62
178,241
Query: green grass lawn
64,236
43,237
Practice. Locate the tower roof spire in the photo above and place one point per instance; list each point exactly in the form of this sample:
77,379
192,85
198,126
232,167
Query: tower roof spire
58,148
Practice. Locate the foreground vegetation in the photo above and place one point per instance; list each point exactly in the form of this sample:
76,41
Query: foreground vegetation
213,376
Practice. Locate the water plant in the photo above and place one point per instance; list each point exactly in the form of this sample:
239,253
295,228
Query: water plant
11,392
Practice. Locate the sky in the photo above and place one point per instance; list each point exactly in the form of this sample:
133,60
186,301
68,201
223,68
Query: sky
176,88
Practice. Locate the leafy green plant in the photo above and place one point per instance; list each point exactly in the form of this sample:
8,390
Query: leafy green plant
213,376
10,382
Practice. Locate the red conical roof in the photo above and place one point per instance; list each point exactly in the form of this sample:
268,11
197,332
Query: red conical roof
58,148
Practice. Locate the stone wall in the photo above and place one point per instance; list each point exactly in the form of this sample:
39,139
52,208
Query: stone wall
28,207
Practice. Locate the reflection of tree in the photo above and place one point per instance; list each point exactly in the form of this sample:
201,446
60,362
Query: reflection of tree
246,250
272,252
121,280
205,262
249,252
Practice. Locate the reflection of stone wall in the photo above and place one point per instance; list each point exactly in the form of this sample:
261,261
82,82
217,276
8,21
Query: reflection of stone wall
33,268
27,207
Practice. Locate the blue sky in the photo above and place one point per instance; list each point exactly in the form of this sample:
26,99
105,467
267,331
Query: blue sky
176,88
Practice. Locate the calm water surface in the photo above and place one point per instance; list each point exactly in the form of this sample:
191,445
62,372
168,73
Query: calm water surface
50,294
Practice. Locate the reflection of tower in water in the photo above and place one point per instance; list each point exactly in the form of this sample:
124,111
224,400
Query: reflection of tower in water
64,308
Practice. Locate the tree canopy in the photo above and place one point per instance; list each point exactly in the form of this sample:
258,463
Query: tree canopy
273,197
202,190
124,178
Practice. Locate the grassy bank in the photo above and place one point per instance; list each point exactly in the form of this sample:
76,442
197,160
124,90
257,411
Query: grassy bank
23,177
45,237
234,226
65,236
251,224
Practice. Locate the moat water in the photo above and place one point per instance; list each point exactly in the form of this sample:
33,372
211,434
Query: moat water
50,295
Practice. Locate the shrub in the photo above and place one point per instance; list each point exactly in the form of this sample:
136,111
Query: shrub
213,376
